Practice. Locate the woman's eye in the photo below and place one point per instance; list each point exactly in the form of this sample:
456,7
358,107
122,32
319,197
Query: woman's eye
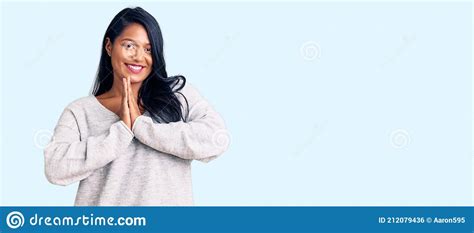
148,50
129,45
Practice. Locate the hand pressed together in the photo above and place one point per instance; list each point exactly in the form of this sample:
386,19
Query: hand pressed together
129,110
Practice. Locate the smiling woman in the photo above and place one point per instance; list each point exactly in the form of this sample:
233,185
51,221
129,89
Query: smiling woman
133,140
133,47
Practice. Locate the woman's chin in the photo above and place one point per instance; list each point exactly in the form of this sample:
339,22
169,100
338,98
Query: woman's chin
135,79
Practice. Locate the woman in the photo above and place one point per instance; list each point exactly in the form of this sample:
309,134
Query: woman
133,140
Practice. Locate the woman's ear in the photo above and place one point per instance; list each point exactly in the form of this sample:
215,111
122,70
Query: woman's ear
108,46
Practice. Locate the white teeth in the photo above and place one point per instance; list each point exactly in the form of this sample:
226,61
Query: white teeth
135,67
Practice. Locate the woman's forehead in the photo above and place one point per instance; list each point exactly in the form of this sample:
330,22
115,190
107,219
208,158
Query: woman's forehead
135,32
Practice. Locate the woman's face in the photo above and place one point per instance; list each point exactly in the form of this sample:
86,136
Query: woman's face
131,54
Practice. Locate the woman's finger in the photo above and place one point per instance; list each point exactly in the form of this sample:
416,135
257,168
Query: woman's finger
130,95
124,89
124,111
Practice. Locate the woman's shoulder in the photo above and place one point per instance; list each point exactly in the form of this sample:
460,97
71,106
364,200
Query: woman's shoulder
76,110
81,103
189,90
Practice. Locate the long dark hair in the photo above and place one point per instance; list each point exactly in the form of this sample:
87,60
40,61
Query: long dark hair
157,92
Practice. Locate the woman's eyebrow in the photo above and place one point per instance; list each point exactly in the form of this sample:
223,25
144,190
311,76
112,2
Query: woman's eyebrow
133,40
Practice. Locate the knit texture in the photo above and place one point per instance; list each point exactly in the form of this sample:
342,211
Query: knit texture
148,165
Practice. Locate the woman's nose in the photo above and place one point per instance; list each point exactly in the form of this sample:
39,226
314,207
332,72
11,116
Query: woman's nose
138,55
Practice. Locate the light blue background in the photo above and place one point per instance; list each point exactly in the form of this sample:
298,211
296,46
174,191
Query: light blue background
379,115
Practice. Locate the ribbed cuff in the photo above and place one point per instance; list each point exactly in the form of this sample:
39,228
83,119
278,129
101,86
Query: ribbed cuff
126,128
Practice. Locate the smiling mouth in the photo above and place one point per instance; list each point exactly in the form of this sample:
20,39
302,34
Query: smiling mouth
134,68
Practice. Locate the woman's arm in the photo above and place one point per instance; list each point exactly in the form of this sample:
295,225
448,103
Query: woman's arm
68,158
202,137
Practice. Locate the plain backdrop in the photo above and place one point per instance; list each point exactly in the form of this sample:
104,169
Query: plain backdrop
345,103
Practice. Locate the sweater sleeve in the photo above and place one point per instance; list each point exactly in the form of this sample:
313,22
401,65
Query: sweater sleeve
203,136
70,158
